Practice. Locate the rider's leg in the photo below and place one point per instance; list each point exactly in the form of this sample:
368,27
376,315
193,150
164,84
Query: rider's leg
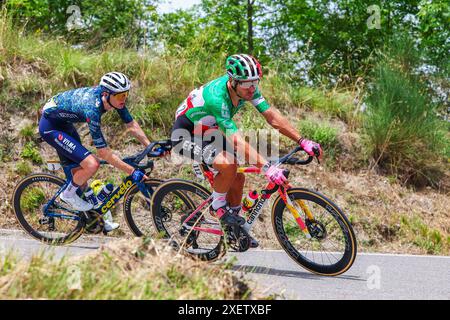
69,147
234,195
226,165
70,129
88,167
234,198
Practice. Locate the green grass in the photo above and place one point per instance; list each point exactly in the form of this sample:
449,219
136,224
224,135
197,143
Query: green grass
432,241
32,198
292,230
23,168
27,131
31,152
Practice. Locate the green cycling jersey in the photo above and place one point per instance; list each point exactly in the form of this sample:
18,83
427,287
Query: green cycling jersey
210,106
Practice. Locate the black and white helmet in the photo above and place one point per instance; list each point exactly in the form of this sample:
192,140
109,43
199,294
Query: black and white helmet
115,82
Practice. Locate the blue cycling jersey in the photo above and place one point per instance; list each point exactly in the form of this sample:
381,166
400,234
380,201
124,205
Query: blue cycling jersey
82,105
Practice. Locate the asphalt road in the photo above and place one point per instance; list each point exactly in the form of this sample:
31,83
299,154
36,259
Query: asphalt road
372,276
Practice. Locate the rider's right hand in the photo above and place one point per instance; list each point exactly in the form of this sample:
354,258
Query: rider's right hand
275,175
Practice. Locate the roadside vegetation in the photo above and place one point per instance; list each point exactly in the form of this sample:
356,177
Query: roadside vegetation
137,269
383,135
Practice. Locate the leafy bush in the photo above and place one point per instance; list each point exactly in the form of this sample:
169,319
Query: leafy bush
403,134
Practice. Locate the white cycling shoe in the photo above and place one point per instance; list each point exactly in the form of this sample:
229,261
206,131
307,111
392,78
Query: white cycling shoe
76,202
110,225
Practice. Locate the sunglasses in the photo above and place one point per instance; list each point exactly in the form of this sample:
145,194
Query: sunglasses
248,84
121,95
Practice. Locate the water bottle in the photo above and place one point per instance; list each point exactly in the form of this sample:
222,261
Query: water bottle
106,190
90,197
249,200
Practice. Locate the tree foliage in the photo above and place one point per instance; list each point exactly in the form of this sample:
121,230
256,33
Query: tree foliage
86,21
321,41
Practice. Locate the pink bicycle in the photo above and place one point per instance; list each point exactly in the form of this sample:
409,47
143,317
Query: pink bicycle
311,229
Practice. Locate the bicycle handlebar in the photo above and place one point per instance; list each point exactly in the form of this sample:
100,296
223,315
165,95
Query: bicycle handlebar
163,147
288,159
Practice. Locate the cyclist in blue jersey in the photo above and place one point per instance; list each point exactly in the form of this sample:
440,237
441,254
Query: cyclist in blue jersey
56,127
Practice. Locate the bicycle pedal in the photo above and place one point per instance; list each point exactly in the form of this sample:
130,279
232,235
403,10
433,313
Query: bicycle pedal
184,230
44,220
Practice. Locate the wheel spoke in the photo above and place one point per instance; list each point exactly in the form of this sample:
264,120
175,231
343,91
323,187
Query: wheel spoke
32,195
182,202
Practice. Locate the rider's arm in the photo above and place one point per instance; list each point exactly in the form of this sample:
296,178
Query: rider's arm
107,155
251,155
280,123
102,148
136,131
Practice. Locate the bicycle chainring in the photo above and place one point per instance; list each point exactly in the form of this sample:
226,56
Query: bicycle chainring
94,222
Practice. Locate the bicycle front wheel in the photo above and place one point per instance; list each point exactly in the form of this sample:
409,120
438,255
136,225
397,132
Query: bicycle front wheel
30,197
331,250
137,209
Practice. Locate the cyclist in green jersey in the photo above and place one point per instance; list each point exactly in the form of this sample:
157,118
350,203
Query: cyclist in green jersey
205,132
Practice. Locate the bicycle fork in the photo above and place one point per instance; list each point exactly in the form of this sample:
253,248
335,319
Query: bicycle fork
296,214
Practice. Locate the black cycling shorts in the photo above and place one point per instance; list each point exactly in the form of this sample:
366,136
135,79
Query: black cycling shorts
200,148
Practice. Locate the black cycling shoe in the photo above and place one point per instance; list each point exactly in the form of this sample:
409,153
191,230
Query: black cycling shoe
253,242
228,217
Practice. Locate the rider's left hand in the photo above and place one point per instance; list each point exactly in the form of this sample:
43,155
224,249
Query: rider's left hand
138,176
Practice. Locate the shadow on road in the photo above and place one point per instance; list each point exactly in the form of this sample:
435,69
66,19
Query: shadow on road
289,273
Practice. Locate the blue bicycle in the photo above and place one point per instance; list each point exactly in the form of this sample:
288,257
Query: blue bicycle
40,213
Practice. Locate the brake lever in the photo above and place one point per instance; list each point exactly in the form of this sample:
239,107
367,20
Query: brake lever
316,151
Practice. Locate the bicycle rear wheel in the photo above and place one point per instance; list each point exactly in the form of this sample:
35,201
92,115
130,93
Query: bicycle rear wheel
29,198
332,248
172,203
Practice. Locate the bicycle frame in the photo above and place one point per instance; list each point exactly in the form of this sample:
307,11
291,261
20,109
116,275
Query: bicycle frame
113,198
260,203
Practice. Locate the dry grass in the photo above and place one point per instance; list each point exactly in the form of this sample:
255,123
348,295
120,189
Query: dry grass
126,269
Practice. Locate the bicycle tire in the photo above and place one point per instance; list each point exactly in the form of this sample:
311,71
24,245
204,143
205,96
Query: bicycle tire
350,250
127,207
179,186
23,222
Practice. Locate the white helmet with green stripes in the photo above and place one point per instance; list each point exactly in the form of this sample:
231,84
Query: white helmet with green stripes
243,67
